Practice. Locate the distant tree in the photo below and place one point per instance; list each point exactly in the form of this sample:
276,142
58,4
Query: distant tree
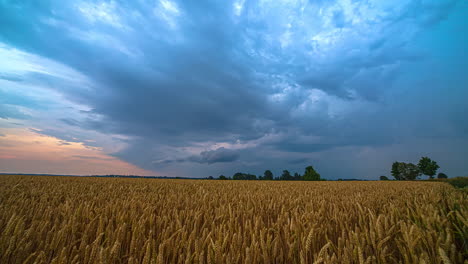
297,177
286,176
311,175
238,176
384,178
441,175
411,171
251,176
428,167
260,177
244,176
222,177
210,178
405,171
396,173
268,175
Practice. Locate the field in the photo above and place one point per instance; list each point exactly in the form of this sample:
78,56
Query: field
114,220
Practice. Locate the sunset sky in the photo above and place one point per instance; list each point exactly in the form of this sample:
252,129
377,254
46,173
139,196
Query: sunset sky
199,88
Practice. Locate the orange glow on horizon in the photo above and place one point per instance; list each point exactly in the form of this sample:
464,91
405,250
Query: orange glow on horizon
25,151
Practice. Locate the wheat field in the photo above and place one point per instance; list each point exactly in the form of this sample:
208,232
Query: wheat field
117,220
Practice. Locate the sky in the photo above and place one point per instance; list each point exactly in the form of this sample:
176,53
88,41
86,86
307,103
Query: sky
201,88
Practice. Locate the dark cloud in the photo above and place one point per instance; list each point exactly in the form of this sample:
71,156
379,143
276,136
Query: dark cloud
219,155
214,156
283,80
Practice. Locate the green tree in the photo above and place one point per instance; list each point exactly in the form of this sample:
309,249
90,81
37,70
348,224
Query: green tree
442,175
286,176
251,177
239,176
396,173
428,167
405,171
384,178
244,176
268,175
222,177
411,171
311,175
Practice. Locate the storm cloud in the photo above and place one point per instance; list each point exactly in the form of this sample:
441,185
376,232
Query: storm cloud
197,88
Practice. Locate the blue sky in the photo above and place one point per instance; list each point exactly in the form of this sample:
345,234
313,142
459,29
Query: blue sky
185,88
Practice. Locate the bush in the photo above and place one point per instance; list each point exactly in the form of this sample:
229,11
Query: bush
442,175
459,182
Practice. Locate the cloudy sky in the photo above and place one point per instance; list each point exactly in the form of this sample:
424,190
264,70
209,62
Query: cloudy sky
199,88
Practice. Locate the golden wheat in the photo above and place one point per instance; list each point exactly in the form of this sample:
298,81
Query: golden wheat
115,220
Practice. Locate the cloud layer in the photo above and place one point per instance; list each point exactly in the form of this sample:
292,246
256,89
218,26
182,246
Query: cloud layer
194,89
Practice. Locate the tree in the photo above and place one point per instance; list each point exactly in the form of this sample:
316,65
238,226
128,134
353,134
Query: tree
384,178
251,177
410,171
210,177
222,177
428,167
405,171
441,175
311,175
297,177
238,176
286,176
268,175
396,173
244,176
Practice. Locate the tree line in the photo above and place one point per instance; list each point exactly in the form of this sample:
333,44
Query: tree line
310,174
402,171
